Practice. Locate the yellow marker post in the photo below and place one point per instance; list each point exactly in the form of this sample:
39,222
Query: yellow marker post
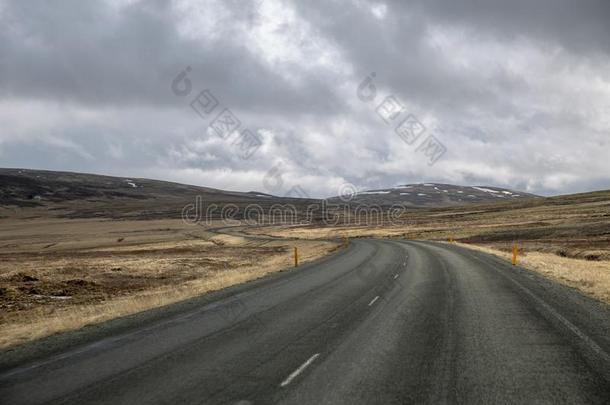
515,253
296,257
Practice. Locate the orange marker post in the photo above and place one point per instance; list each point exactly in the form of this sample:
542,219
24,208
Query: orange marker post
515,253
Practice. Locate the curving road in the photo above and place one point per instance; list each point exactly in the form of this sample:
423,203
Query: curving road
381,322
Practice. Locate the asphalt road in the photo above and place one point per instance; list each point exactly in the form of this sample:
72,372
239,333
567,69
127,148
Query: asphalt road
381,322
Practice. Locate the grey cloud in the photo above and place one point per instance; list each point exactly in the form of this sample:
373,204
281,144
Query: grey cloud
578,26
85,52
505,85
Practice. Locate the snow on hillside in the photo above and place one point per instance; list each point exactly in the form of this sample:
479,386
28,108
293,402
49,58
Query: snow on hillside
436,194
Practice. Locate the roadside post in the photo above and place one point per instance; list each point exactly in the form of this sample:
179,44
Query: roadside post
515,253
296,257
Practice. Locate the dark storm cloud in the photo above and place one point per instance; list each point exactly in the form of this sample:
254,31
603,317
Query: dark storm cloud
580,26
87,52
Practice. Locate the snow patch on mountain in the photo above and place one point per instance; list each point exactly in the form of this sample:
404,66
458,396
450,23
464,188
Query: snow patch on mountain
486,190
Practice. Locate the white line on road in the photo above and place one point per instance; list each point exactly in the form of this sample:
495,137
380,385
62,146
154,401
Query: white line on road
586,339
373,301
299,370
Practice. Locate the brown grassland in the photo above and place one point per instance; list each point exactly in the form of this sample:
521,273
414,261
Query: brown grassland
60,273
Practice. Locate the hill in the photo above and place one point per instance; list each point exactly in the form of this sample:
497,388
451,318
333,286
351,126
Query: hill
434,195
81,195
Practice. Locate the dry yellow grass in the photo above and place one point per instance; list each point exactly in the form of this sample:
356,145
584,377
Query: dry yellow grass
58,275
311,232
589,277
45,321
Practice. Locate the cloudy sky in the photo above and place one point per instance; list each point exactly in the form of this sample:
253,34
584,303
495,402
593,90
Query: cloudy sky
516,94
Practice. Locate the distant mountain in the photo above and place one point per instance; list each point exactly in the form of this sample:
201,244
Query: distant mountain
433,195
69,194
34,187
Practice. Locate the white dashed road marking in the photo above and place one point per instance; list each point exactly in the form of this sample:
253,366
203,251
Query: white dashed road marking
299,370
